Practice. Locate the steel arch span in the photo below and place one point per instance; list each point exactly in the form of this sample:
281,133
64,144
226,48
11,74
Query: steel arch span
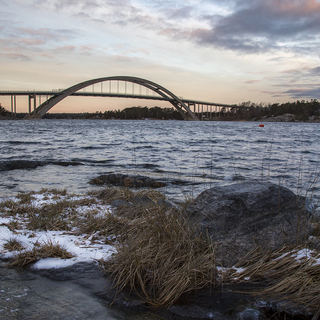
184,110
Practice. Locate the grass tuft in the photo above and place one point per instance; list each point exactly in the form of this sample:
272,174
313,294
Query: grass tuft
54,191
13,244
46,250
162,258
291,279
25,198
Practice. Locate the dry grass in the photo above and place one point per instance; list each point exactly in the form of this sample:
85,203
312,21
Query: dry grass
11,208
46,250
57,216
162,258
296,281
25,198
54,191
54,216
13,244
113,193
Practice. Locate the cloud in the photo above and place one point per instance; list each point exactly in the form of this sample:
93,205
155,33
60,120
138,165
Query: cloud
47,34
312,93
16,56
243,26
260,26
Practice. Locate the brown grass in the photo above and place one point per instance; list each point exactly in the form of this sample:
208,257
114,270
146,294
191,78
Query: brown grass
54,191
57,216
51,217
13,244
162,258
25,198
113,193
46,250
296,281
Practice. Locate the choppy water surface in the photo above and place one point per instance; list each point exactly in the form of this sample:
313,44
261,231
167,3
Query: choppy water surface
68,153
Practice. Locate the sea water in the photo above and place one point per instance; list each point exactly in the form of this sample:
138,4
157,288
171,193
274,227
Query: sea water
67,154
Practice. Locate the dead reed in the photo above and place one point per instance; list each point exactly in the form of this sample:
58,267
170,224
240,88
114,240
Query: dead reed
296,280
46,250
13,244
161,258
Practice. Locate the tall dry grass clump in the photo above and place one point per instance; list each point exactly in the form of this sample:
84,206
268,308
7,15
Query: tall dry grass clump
291,278
161,258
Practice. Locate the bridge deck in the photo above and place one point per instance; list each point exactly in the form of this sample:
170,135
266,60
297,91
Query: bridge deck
115,95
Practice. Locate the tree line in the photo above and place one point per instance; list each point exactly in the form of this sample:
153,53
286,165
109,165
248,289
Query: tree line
302,110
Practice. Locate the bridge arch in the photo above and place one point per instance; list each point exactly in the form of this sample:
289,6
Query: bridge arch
184,110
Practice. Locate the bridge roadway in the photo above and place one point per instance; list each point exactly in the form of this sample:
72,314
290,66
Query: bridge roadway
182,105
115,95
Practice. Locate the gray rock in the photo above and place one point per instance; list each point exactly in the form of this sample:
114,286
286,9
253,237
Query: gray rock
316,215
143,201
164,203
241,216
120,203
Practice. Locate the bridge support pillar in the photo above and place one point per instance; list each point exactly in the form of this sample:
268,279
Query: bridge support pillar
34,102
30,97
13,106
33,96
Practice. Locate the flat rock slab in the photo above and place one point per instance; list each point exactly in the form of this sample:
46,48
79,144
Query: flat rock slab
242,216
81,291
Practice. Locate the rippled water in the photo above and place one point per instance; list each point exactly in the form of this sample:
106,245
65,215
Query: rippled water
68,153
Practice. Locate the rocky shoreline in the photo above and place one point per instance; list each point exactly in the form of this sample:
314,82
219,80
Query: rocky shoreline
238,218
52,294
287,117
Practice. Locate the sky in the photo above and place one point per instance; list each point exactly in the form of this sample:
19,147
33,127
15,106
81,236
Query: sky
229,51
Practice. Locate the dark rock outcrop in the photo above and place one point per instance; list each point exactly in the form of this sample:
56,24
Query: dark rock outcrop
241,216
130,181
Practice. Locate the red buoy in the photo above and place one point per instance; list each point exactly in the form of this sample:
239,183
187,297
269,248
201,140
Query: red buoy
261,125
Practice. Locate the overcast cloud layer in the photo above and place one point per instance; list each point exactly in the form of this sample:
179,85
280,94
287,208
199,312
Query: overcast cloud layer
230,51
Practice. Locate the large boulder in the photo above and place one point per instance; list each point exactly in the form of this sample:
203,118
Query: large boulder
242,216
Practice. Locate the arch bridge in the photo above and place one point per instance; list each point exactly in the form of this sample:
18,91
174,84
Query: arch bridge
55,96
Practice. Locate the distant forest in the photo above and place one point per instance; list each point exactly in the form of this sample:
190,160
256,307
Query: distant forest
302,110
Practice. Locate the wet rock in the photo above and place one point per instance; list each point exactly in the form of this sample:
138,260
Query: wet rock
143,201
241,216
120,203
130,181
164,203
316,215
24,295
